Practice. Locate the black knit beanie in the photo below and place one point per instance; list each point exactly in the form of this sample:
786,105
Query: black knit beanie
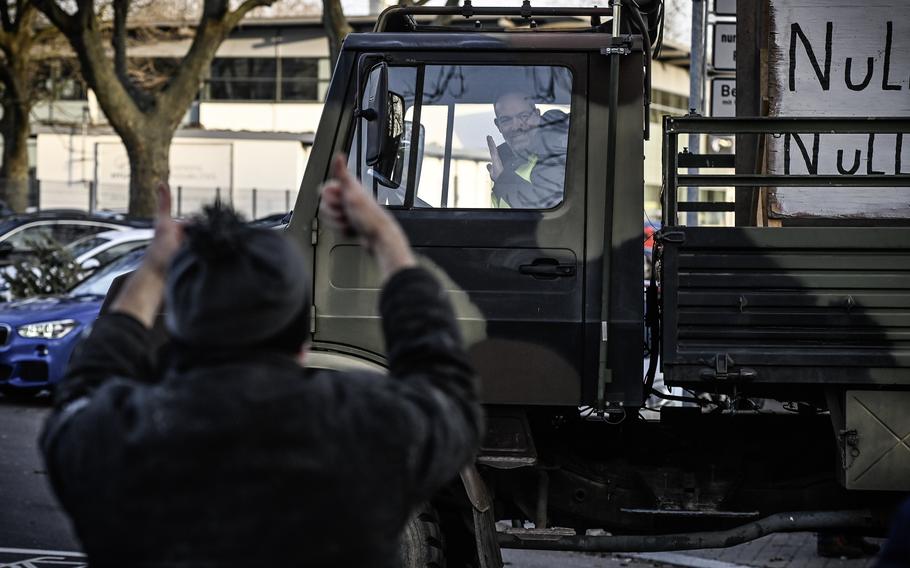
232,285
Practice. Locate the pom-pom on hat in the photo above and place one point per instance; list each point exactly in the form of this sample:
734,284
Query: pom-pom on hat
233,285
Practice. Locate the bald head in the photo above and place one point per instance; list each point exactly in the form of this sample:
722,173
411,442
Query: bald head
517,118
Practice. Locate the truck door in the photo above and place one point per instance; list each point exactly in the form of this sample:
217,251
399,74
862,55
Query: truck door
513,251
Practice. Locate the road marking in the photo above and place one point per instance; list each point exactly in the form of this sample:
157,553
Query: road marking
685,560
45,562
42,552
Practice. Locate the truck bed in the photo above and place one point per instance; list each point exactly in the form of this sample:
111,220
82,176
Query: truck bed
789,305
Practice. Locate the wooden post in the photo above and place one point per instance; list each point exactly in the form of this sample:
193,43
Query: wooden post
751,33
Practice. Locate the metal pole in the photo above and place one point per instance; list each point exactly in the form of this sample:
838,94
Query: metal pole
696,83
254,203
179,200
287,199
92,197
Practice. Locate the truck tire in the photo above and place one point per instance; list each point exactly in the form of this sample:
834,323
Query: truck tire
422,543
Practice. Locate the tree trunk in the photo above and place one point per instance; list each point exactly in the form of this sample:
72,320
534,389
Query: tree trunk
149,166
14,168
336,27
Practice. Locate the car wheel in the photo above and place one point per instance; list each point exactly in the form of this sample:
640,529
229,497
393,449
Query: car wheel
422,543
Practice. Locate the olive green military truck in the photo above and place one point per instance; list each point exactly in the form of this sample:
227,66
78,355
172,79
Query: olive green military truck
512,156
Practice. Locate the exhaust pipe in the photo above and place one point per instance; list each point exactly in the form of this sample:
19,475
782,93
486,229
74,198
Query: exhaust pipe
779,522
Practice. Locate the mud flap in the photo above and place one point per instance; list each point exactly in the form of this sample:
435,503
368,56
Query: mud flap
875,441
488,552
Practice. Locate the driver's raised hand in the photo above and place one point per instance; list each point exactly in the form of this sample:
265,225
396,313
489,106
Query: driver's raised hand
350,209
495,166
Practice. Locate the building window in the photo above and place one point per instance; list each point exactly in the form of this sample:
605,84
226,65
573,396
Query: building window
60,80
243,79
266,79
299,79
521,112
664,102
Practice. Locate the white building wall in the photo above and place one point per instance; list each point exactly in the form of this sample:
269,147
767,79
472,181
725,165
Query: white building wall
202,168
260,117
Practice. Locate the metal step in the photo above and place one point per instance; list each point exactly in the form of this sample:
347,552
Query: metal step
554,533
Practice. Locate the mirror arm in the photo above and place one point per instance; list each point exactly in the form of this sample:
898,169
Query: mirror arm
382,180
367,114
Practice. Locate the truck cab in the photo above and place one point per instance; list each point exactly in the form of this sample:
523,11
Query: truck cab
527,277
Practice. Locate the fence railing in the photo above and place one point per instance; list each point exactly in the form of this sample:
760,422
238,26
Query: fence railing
252,202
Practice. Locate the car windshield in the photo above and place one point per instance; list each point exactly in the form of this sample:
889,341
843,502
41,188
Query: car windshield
98,283
82,246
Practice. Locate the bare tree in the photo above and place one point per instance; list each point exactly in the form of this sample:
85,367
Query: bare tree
144,118
19,34
337,28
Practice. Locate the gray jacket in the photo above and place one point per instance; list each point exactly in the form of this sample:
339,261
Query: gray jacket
548,176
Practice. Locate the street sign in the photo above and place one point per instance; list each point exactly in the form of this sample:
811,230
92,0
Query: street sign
723,97
723,56
725,7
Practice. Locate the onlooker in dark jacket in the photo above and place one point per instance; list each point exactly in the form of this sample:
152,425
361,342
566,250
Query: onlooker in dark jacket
529,169
233,453
896,552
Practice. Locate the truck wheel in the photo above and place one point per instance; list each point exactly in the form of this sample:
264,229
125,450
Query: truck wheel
422,544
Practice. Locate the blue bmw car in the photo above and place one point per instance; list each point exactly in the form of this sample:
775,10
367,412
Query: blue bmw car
37,335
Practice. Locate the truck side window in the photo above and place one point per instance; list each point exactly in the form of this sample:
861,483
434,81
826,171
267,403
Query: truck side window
490,136
470,112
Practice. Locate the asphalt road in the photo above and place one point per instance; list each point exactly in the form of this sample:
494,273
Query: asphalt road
29,515
35,533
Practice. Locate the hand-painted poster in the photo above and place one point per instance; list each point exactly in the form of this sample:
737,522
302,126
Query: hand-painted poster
840,59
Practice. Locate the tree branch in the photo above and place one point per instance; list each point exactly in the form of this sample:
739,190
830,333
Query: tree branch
335,25
216,23
64,22
242,10
5,20
215,9
25,17
22,10
118,39
7,80
46,33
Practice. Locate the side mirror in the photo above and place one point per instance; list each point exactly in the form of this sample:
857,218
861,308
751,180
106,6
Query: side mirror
376,112
91,264
387,169
395,194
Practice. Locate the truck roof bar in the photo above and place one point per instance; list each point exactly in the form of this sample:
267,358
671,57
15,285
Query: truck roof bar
396,14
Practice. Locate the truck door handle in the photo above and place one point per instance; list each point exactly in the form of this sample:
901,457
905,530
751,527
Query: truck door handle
547,269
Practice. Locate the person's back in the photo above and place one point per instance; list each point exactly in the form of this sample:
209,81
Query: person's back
236,455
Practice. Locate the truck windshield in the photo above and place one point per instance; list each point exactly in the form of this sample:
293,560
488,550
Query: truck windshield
489,136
